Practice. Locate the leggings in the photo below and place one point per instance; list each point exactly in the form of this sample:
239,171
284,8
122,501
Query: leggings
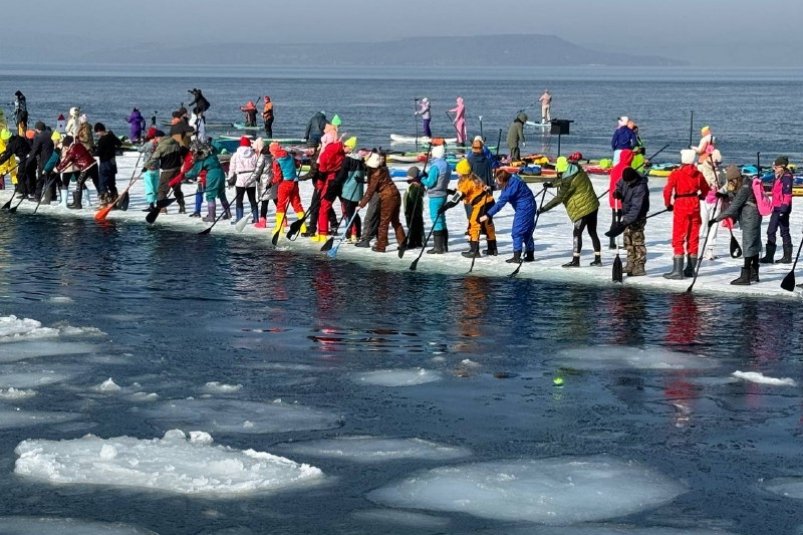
348,212
589,221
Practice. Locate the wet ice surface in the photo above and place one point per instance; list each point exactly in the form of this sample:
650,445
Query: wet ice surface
376,450
176,463
602,529
13,417
418,376
19,525
555,491
790,487
649,358
404,519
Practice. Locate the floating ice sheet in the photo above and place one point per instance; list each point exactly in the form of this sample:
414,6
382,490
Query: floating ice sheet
215,387
13,417
31,375
401,518
791,487
555,491
603,357
23,525
233,416
760,378
392,378
364,449
13,329
610,529
16,394
176,463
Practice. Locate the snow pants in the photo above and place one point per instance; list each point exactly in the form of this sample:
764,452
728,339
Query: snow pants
686,227
151,180
635,246
288,195
438,223
522,231
779,221
389,211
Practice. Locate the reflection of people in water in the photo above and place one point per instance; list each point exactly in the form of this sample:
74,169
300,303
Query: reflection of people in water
469,310
683,330
625,317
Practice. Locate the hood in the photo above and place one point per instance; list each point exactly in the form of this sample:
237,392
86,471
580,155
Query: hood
75,111
522,117
459,101
246,151
626,157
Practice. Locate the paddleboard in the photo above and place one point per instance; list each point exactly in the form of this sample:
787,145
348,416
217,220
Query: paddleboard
422,140
241,126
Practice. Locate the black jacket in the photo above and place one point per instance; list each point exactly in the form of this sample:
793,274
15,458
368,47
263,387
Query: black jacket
16,146
107,146
42,147
635,199
315,127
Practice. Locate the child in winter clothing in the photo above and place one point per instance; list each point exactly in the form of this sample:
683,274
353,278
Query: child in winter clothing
634,194
576,192
520,197
479,199
688,186
241,175
781,208
744,208
414,208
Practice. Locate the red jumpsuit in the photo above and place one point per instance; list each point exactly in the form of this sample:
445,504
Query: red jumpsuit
329,163
688,185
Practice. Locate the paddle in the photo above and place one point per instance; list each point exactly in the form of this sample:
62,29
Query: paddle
616,274
14,208
414,265
154,212
295,227
240,225
333,252
788,282
415,120
101,214
700,258
537,215
329,242
403,244
46,188
735,249
8,204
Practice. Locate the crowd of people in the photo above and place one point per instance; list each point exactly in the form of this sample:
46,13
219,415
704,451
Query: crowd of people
43,162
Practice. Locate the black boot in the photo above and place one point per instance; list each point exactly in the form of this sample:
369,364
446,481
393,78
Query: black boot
787,255
677,269
76,200
597,260
473,250
769,254
529,256
516,258
574,262
691,263
744,278
439,238
491,250
445,241
754,269
612,244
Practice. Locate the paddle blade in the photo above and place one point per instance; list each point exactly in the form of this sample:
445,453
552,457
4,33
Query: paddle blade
8,204
616,275
275,239
164,203
516,271
333,253
206,231
295,228
736,251
123,201
403,247
152,215
328,245
788,282
101,214
241,224
414,265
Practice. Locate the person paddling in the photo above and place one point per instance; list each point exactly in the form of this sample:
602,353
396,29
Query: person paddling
634,194
250,112
521,199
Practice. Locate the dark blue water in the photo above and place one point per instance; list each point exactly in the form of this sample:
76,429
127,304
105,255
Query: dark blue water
180,310
749,112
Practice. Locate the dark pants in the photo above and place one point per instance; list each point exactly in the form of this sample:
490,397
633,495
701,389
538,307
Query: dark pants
588,221
164,179
269,128
371,220
252,197
779,220
108,178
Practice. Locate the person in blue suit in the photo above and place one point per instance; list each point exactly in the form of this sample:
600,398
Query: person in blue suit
521,198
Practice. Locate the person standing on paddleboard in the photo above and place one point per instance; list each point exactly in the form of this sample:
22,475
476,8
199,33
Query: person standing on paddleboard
459,121
515,135
106,151
546,106
478,198
425,112
250,113
623,138
267,117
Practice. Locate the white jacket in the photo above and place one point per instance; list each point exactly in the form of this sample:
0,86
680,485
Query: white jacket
242,166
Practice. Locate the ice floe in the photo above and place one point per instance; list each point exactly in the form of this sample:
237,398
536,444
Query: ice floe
366,449
555,491
13,417
14,329
234,416
16,394
29,375
175,463
393,378
791,487
401,518
603,357
107,386
756,377
214,387
23,525
606,529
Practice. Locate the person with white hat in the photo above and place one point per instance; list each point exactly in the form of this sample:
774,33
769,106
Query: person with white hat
437,183
379,182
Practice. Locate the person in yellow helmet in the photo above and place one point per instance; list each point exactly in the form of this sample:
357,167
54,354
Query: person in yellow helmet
479,197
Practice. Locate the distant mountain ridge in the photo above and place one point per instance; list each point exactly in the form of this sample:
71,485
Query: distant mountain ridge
526,50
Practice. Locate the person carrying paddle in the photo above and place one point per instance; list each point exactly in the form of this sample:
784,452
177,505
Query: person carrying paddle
437,184
41,150
250,113
425,112
349,186
744,209
206,167
329,163
634,194
241,175
515,135
20,112
521,198
459,121
414,208
478,198
266,190
167,157
267,117
379,182
546,106
625,161
106,150
79,158
19,146
685,187
285,175
8,165
577,194
781,208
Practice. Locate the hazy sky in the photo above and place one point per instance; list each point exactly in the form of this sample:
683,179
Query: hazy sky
703,32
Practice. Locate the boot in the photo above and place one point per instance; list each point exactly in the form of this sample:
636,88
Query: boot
769,254
612,243
691,263
210,212
438,248
76,200
744,278
754,269
597,260
182,208
262,223
239,212
709,254
529,256
254,216
47,196
303,229
787,255
516,258
363,243
320,238
677,269
279,224
473,251
491,250
64,198
637,271
573,263
445,241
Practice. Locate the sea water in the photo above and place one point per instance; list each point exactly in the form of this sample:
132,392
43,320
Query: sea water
170,383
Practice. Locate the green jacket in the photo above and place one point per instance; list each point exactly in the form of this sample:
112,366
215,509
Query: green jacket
576,192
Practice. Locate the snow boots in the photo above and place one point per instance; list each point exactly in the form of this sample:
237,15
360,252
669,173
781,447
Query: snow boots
440,242
262,223
473,251
754,269
64,198
573,263
597,259
76,200
516,258
746,276
210,212
691,263
677,269
787,255
529,256
769,254
254,216
277,227
491,250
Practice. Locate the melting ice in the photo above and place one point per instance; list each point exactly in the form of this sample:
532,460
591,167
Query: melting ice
416,376
624,357
21,525
363,449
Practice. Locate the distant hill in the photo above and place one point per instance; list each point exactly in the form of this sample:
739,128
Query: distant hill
526,50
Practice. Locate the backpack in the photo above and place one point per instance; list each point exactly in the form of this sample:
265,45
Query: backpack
763,203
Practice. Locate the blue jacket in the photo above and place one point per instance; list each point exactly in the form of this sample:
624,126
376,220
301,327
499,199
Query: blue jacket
521,198
482,167
437,180
623,138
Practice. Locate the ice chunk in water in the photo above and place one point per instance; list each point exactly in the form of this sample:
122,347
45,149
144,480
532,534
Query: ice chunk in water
401,518
233,416
16,351
791,487
556,491
28,375
11,417
13,328
173,463
760,378
416,376
108,386
625,357
15,394
376,450
214,387
21,525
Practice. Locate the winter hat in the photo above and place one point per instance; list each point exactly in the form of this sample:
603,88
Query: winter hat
5,135
704,131
438,151
623,120
30,134
687,156
476,145
74,111
463,167
259,144
275,149
39,126
100,127
55,136
412,174
781,161
630,174
336,121
67,141
245,141
350,143
83,118
373,161
561,165
732,172
150,134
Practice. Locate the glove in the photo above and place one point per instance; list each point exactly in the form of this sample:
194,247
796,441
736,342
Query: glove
703,197
669,208
618,195
450,192
722,195
712,222
616,229
548,184
232,181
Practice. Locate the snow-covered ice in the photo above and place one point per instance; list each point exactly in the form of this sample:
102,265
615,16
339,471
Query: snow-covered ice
604,357
23,525
175,463
215,387
107,386
606,529
16,394
14,329
555,491
233,416
392,378
27,375
366,449
760,378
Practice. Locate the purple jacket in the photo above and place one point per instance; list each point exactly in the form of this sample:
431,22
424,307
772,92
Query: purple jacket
137,122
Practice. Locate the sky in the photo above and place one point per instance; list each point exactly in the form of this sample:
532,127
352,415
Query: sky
703,32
